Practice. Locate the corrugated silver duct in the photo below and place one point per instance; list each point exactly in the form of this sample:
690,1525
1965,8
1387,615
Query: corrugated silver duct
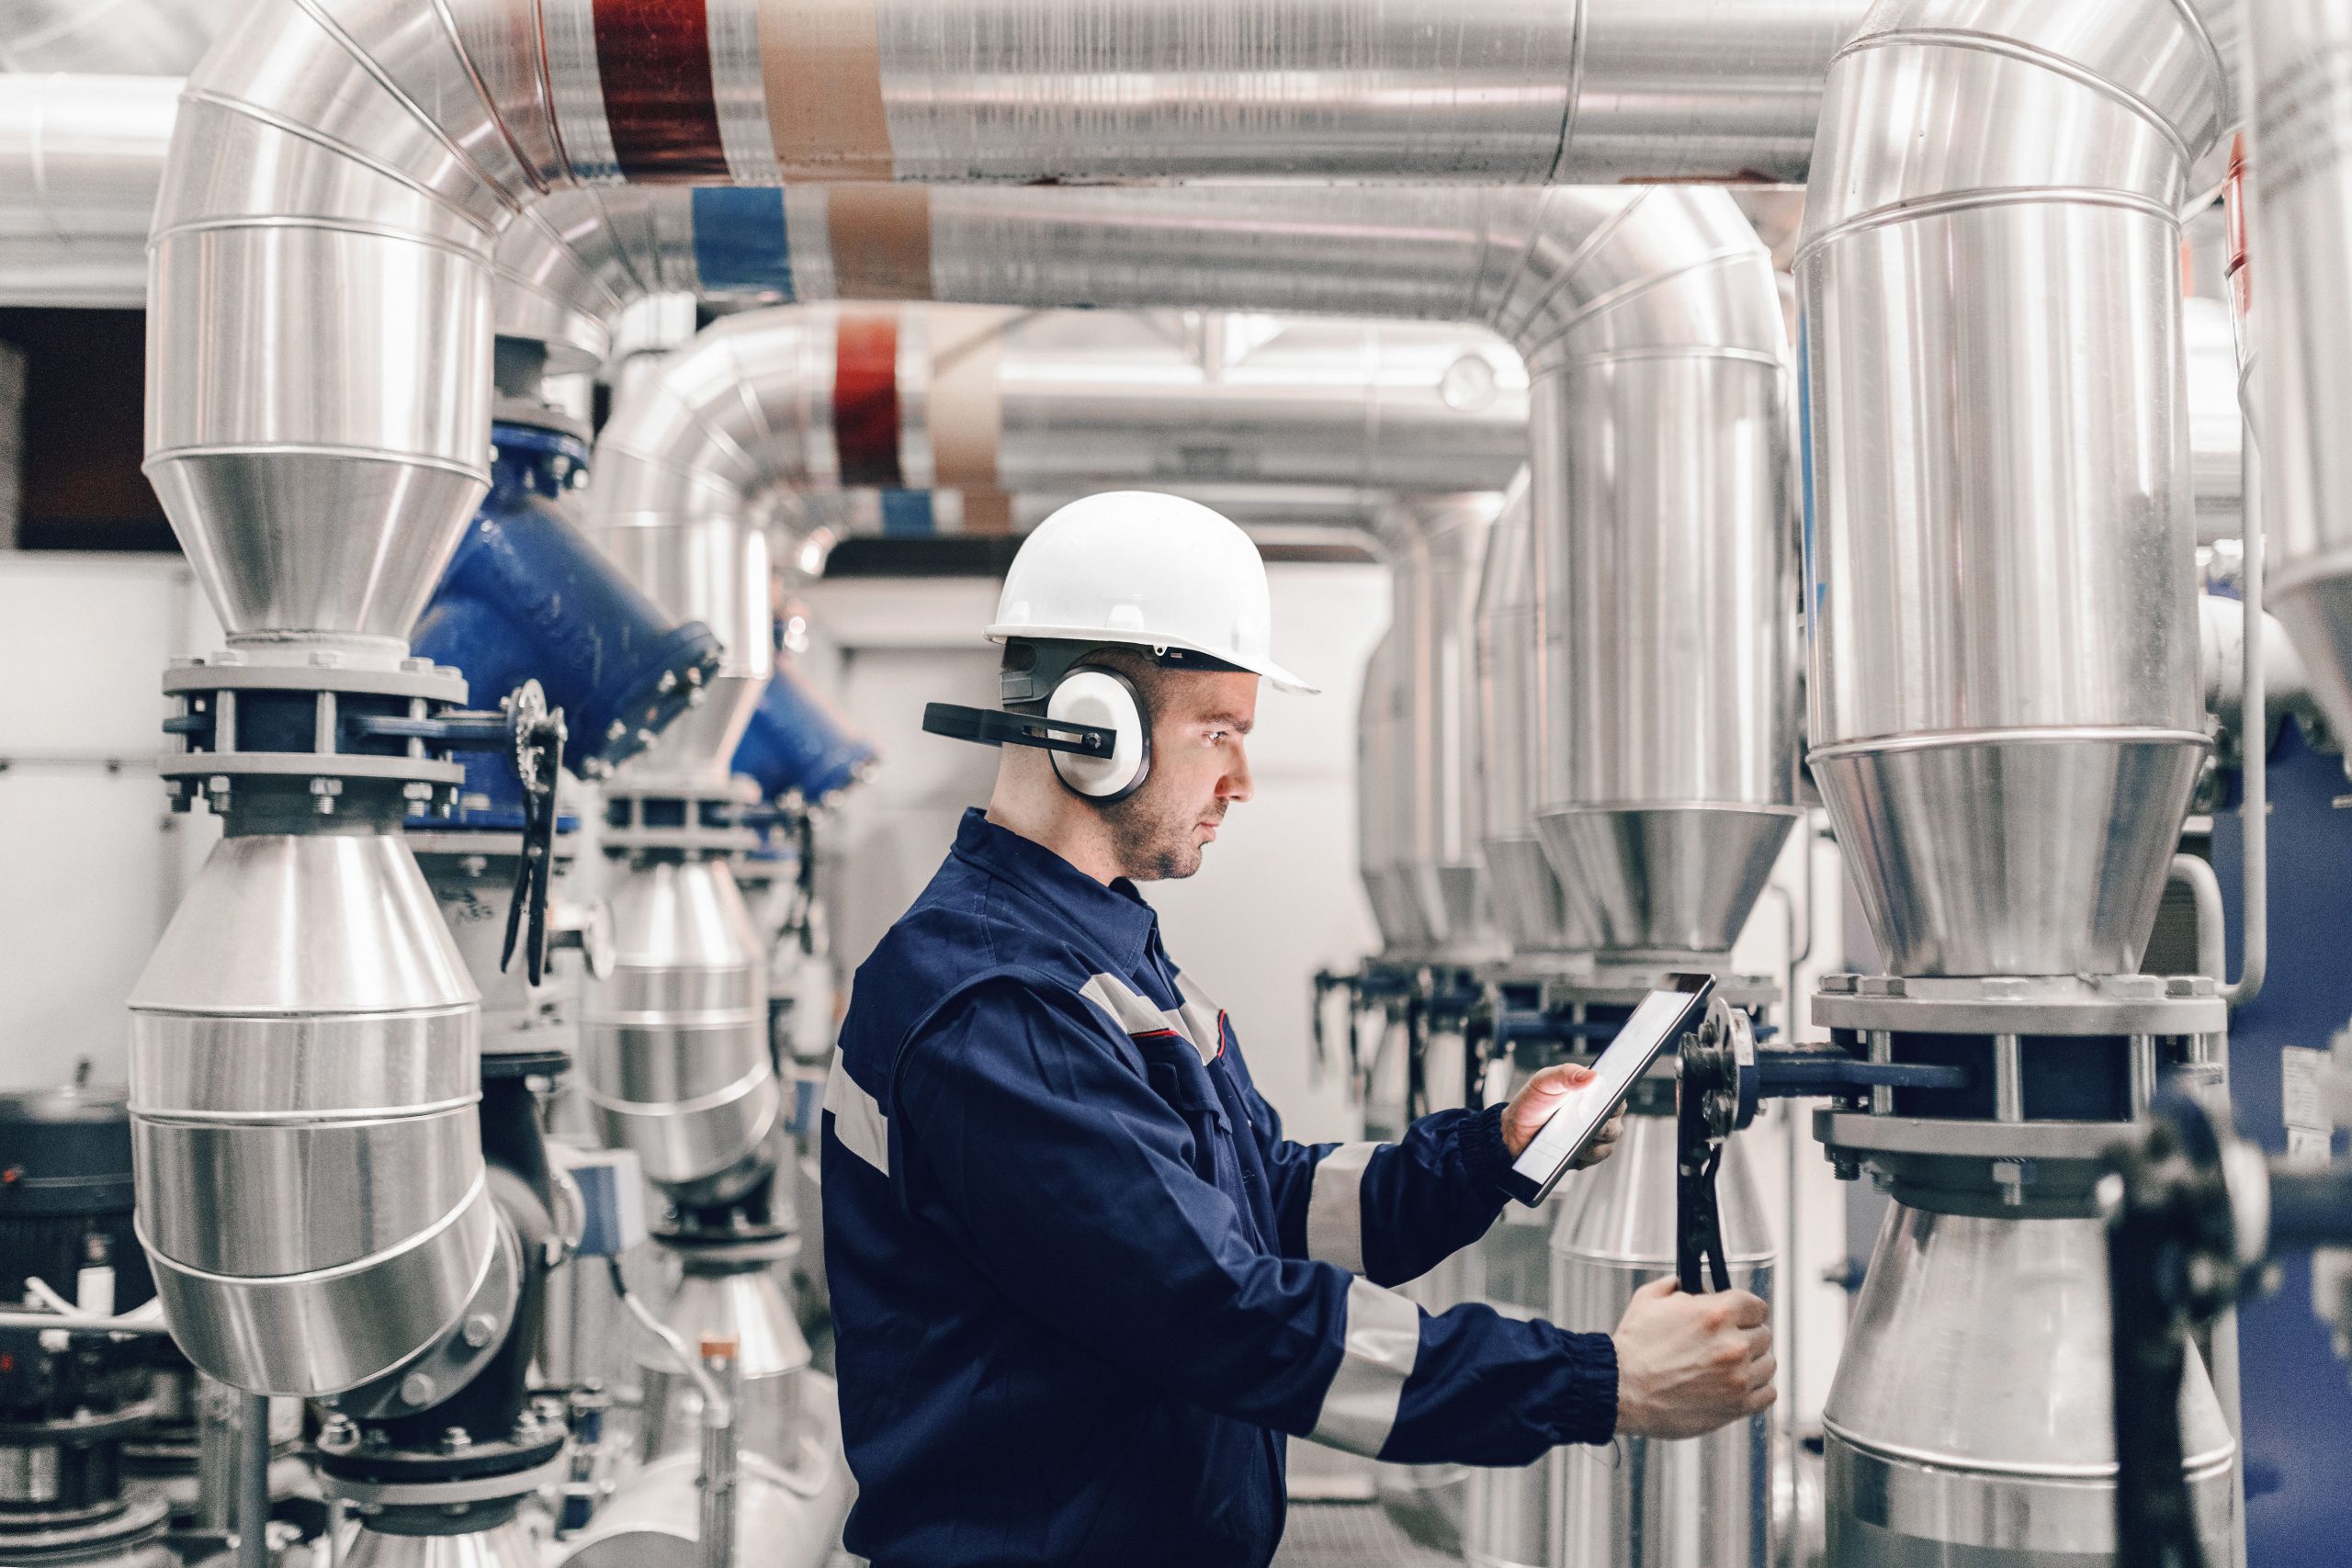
2005,725
148,37
81,157
1437,547
1531,906
2299,199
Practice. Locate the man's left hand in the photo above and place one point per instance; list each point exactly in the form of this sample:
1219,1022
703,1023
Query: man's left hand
1533,1104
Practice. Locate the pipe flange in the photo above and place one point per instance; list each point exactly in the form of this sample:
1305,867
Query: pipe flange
485,1473
677,819
1991,1170
450,1361
1617,980
2010,1004
279,721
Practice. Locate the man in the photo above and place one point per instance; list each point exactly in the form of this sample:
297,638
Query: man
1081,1284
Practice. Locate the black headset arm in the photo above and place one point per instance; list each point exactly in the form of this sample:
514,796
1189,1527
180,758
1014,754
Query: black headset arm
994,727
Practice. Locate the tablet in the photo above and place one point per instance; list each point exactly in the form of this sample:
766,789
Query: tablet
1660,1021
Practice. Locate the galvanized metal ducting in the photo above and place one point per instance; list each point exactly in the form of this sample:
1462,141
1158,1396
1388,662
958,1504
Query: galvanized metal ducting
320,318
2006,720
2300,198
1531,907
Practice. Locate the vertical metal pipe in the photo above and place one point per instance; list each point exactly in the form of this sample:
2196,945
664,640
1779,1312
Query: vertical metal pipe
2009,1078
718,1456
252,1481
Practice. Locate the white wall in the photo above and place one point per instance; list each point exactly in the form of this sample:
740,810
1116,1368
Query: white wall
92,860
1277,898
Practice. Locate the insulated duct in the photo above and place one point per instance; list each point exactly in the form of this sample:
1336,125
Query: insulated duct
148,37
2300,201
1045,402
1436,548
81,157
1652,334
2006,721
1531,906
321,321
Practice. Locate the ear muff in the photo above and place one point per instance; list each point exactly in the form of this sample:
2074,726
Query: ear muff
1107,700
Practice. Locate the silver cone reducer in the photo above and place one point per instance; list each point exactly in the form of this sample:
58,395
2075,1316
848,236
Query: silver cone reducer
2005,730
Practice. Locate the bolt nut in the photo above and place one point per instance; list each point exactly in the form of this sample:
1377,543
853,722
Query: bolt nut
1846,1167
418,1388
457,1438
339,1434
478,1329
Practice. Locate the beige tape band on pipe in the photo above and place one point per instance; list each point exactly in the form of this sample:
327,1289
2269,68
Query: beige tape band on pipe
821,63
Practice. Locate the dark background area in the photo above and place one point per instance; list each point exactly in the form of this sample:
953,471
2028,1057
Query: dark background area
85,408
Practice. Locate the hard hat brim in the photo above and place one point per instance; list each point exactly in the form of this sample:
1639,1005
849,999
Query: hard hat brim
1280,679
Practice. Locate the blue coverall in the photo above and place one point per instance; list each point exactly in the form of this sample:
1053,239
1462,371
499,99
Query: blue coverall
1082,1283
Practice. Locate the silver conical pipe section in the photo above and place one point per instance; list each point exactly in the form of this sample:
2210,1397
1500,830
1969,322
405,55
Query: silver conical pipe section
1973,1417
1380,775
1666,590
2005,719
1531,908
1698,1501
1437,546
674,1036
305,1025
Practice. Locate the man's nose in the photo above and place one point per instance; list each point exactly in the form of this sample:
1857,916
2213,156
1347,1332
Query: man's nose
1235,785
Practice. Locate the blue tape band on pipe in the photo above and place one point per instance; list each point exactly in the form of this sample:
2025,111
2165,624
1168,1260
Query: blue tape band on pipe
740,241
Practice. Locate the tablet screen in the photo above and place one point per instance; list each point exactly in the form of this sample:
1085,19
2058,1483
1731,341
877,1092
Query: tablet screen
1658,1022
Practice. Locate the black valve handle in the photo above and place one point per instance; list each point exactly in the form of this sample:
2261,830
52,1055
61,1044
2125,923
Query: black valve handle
536,734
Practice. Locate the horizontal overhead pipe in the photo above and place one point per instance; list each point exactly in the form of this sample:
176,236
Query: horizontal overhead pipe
994,404
147,38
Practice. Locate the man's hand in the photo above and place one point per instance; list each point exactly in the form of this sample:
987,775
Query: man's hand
1687,1365
1533,1104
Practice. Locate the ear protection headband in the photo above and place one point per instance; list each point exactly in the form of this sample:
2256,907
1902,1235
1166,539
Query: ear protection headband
1096,724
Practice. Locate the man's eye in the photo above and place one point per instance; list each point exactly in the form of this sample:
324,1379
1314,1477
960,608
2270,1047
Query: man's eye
1216,737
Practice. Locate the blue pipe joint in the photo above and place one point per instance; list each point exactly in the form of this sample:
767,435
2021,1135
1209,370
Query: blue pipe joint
529,596
796,743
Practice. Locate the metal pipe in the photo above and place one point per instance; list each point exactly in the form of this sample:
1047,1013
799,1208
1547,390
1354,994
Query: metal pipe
80,159
252,1481
2299,203
992,402
158,37
2254,744
321,322
2006,720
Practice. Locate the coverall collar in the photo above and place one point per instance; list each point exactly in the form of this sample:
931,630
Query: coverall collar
1117,914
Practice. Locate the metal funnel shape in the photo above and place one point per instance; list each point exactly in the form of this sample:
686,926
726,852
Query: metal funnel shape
1698,1500
1531,906
714,570
675,1037
2016,853
339,544
1972,1419
1666,879
305,1025
2316,607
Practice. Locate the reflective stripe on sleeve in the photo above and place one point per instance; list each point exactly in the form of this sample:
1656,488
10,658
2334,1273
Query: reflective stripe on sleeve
1334,1207
858,1118
1383,1341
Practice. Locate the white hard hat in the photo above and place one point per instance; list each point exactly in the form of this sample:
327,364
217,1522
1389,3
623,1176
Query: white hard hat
1133,566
